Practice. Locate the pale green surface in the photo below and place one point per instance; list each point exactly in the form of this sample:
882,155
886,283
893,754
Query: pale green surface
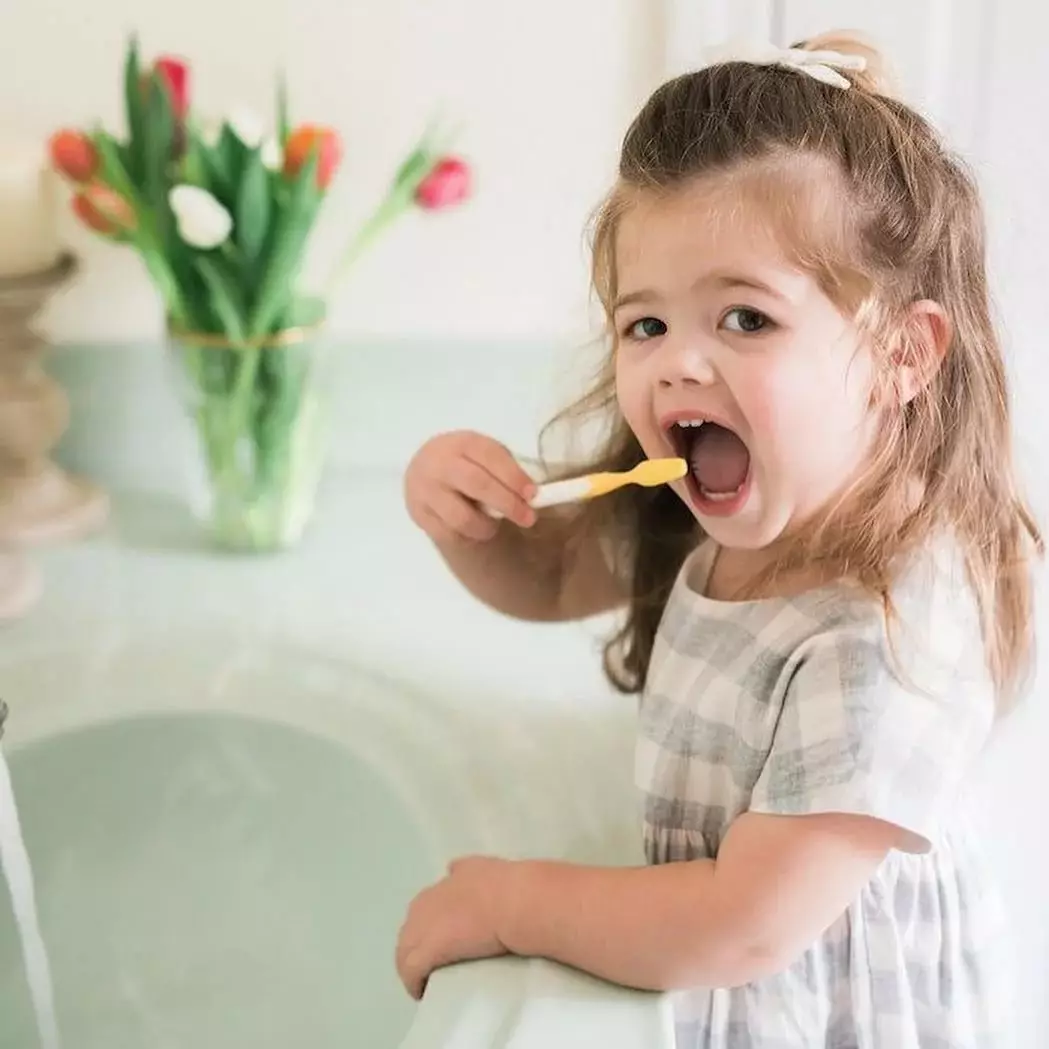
212,882
499,736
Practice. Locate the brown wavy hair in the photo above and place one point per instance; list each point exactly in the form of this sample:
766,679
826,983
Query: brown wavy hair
866,197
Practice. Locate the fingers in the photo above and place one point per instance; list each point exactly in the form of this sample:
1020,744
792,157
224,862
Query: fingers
498,461
458,484
479,483
413,974
457,516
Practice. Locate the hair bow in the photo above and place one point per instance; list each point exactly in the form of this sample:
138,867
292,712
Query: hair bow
822,65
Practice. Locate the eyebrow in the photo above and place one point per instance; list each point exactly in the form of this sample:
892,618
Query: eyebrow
718,280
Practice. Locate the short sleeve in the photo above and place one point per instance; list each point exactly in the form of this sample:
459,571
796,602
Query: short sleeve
855,736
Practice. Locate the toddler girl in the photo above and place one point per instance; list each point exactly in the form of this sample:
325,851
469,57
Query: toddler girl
822,619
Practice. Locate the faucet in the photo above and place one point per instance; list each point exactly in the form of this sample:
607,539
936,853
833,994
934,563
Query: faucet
3,717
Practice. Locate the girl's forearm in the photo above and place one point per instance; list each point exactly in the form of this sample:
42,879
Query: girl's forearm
654,928
778,883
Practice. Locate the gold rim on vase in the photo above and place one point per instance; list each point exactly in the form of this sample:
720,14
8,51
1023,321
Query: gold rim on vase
276,341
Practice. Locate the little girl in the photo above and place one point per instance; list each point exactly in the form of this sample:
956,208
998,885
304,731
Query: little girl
822,619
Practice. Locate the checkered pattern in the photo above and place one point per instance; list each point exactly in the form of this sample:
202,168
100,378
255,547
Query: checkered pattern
811,704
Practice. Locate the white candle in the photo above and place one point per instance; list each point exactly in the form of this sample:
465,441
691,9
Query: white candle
29,240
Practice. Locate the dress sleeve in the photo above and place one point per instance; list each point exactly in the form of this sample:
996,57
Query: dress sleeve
855,736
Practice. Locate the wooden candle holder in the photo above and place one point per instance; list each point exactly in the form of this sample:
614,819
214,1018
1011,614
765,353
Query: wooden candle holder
39,502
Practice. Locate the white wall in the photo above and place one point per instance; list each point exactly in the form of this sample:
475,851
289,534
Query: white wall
543,88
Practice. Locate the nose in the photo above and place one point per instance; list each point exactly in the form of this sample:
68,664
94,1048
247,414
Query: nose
685,362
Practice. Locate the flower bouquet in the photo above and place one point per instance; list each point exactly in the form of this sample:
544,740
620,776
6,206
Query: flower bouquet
221,215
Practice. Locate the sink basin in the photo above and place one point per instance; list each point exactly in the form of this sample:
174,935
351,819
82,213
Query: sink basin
213,881
224,841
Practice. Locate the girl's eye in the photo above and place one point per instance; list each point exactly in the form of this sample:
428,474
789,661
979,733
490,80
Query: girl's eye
646,328
746,320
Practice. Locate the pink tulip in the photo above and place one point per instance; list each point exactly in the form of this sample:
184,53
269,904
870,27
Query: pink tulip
447,183
174,74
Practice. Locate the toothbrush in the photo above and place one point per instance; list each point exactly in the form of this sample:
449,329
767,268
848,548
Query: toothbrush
650,473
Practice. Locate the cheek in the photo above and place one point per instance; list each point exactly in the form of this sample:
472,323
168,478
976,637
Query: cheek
775,401
630,391
805,409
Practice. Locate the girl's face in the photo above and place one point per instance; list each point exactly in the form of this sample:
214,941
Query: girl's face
715,326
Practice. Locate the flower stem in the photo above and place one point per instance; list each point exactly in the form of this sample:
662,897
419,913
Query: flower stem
391,208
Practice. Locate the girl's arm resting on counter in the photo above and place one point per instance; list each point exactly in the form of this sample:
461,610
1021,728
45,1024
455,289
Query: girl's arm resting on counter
777,884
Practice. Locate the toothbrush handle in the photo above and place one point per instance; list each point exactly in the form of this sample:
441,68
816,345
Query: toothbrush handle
556,492
553,494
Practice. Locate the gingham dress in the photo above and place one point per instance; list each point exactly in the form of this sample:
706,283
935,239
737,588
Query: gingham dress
796,705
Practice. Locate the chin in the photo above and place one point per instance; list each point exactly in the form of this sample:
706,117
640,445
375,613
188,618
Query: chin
753,526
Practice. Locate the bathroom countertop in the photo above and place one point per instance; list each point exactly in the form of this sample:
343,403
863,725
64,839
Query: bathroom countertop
364,589
363,583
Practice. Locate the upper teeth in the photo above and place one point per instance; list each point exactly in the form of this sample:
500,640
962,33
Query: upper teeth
691,422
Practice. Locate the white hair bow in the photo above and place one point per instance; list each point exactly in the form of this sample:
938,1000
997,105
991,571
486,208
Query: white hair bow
822,65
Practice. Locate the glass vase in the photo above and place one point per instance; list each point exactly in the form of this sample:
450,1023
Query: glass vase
258,415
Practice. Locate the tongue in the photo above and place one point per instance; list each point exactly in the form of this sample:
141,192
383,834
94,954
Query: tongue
719,459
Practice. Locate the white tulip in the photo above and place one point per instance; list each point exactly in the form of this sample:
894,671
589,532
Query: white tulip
210,131
202,221
247,125
272,155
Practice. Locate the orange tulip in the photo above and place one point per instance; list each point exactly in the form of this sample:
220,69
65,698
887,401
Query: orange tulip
301,143
103,210
74,155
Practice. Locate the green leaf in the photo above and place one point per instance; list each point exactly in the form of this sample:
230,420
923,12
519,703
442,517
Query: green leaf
283,120
432,143
166,262
253,208
285,257
304,311
231,155
158,143
214,177
112,162
174,302
134,111
414,168
225,298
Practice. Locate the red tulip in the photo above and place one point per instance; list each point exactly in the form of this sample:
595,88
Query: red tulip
301,143
447,183
74,155
174,74
102,209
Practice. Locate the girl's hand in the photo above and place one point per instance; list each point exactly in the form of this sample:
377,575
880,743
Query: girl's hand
454,476
454,920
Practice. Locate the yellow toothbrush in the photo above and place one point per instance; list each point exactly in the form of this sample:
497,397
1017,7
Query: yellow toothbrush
650,473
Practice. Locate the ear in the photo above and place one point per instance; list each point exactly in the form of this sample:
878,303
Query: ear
924,338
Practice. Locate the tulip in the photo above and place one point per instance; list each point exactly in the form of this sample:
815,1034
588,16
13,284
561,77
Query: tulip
300,145
202,221
247,125
74,155
103,209
447,183
174,74
210,131
272,155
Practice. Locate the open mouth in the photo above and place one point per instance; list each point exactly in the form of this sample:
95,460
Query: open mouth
718,464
